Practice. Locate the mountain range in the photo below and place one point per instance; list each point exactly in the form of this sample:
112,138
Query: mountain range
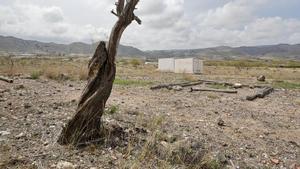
9,44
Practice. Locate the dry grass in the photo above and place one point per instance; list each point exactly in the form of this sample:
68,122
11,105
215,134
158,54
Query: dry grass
243,63
52,68
164,151
189,77
132,72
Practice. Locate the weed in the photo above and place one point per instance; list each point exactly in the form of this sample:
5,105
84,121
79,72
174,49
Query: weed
135,62
217,86
35,74
286,85
113,109
244,63
212,96
127,82
188,77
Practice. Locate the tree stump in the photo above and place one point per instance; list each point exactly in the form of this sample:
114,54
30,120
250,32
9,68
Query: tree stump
86,126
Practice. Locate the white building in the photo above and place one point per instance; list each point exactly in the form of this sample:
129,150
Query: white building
187,65
166,65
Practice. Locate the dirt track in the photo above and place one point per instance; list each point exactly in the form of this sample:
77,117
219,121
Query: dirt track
257,134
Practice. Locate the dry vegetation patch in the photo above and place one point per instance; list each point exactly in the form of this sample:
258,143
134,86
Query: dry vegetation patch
150,129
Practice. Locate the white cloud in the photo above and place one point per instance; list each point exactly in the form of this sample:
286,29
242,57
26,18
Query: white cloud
43,23
166,23
53,15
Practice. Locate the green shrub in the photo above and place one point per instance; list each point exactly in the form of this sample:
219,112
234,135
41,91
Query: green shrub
35,74
135,62
286,85
112,109
127,82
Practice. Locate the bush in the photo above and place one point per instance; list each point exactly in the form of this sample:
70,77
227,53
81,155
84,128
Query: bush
135,62
35,74
112,109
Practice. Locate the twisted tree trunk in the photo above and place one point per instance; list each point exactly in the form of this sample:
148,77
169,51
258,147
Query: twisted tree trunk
85,126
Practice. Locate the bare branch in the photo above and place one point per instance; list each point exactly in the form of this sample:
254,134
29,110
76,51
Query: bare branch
113,12
137,19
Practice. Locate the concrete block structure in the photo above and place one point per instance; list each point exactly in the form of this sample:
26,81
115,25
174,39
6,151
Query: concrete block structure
187,65
166,64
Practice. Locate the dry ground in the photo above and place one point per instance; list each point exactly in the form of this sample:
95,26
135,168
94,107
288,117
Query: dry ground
150,129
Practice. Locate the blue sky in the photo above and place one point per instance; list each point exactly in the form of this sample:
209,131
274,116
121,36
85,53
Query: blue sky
167,24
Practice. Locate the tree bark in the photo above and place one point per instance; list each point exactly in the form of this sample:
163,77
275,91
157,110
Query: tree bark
213,90
260,94
6,79
85,126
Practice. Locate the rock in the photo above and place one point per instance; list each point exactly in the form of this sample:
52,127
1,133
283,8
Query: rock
4,133
70,85
20,135
237,85
221,122
294,166
177,88
65,165
27,105
3,99
275,161
4,91
40,112
261,78
19,87
222,158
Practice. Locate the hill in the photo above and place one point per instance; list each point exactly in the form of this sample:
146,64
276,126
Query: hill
15,45
283,51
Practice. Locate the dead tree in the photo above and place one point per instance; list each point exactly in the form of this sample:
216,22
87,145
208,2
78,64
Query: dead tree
212,90
85,126
6,79
260,94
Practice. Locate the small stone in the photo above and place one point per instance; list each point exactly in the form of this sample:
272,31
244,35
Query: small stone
294,166
177,88
225,145
251,155
27,105
275,161
70,85
20,135
261,78
65,165
237,85
4,133
164,143
19,87
3,99
222,158
221,122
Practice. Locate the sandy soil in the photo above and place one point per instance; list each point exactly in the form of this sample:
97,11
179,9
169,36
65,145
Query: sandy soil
264,133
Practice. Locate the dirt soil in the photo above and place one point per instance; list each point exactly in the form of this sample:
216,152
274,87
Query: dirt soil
264,133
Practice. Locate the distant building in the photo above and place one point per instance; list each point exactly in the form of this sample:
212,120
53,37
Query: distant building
166,65
187,65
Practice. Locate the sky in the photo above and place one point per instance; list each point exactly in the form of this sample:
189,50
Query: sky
167,24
